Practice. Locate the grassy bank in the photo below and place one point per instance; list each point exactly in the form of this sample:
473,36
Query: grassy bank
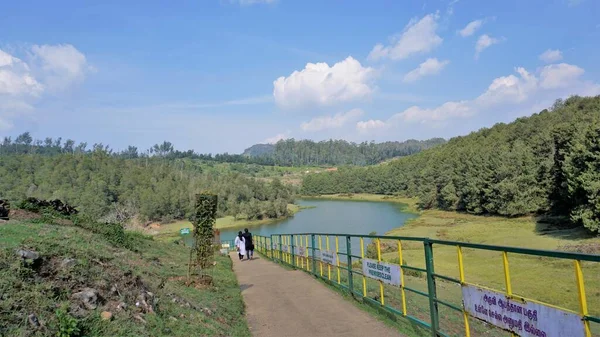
407,204
43,296
169,232
544,279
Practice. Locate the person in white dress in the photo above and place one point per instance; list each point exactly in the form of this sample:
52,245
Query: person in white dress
240,244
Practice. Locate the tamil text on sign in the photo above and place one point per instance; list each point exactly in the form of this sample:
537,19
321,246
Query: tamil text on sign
527,319
385,272
299,250
328,256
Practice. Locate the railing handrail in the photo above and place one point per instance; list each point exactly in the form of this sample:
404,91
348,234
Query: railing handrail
516,250
293,249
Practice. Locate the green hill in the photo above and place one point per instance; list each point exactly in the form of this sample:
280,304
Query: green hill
548,163
258,150
291,152
63,280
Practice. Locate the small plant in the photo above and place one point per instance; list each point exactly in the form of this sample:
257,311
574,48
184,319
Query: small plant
67,324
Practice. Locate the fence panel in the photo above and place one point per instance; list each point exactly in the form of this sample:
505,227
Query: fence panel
437,296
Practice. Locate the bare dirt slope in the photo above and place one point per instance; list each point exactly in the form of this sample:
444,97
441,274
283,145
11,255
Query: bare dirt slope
281,302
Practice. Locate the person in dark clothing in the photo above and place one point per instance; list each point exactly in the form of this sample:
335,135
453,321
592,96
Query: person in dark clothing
249,244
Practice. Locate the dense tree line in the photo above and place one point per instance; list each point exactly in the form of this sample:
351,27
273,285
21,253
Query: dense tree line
291,152
117,188
546,163
287,152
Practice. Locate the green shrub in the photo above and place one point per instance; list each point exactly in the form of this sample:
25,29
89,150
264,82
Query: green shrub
67,324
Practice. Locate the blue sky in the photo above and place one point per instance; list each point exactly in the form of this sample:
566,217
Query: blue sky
222,75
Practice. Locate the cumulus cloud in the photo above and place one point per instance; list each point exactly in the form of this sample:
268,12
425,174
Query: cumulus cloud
49,68
485,41
61,65
559,75
515,90
551,55
320,84
509,89
16,78
372,124
331,122
470,28
431,66
418,37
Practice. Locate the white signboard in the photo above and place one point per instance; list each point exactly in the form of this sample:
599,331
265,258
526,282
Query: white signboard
386,272
329,256
285,248
527,319
298,250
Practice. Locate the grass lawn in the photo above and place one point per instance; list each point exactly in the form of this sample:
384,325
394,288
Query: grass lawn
152,274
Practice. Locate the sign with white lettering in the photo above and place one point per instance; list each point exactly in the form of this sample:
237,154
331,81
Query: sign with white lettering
527,319
328,256
299,250
386,272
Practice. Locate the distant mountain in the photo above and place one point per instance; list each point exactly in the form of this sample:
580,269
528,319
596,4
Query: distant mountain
291,152
258,150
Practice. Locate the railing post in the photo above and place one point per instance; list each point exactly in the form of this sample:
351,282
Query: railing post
312,244
291,247
433,306
349,255
280,248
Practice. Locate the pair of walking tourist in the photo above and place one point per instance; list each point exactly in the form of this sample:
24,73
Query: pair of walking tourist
244,245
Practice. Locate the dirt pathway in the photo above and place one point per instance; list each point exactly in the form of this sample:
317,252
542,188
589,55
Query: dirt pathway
281,302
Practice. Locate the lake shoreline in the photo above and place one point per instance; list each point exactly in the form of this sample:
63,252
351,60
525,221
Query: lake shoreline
226,223
408,205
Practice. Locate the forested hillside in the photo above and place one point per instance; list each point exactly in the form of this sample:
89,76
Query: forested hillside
546,163
152,188
291,152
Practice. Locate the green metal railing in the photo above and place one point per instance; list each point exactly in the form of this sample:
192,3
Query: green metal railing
426,297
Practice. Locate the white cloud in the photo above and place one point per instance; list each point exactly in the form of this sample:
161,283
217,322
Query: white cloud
431,66
450,9
320,84
559,75
443,112
417,37
485,41
509,89
16,78
331,122
372,124
62,65
470,28
49,69
551,55
275,139
504,94
204,105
